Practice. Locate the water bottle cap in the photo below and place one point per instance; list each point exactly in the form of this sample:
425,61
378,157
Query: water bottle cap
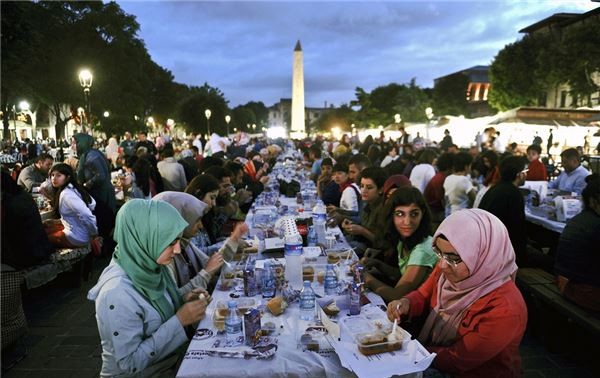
232,304
306,283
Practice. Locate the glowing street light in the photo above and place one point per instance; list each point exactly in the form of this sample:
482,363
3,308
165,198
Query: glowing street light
253,127
24,106
207,113
85,79
227,120
106,114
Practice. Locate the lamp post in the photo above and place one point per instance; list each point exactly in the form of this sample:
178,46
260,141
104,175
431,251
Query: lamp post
207,113
227,120
85,79
429,115
24,107
397,118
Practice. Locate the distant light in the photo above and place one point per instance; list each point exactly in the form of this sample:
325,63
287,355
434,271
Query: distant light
136,118
150,119
380,127
106,114
170,122
207,113
227,118
353,126
276,132
336,132
24,106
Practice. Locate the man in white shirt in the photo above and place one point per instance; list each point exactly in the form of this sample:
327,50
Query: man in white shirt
198,143
572,179
218,145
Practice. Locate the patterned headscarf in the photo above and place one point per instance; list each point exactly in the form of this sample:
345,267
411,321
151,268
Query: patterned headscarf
486,250
144,229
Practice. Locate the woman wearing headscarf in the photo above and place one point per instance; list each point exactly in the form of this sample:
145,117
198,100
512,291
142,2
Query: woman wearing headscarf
141,316
192,268
477,315
112,151
93,173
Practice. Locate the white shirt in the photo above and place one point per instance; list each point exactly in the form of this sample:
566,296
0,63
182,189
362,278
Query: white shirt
349,199
77,218
198,143
421,175
457,190
388,159
218,143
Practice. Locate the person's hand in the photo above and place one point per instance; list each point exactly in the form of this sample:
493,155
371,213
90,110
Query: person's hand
214,263
264,180
243,196
197,294
331,209
351,228
369,262
240,229
191,312
398,308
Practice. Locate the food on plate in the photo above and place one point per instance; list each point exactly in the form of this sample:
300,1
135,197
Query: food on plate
331,309
374,343
277,305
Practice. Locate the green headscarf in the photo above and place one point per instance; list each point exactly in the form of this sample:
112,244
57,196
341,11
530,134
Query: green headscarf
144,229
84,143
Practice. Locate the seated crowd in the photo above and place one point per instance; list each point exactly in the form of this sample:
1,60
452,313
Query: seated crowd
410,213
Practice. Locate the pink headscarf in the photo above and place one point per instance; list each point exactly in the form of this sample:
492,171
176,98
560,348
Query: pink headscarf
482,242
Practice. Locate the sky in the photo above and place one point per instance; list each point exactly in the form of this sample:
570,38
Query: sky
245,48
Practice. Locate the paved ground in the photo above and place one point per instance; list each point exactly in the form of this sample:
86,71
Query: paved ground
63,339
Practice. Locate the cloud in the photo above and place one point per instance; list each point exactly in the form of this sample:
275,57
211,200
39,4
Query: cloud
245,48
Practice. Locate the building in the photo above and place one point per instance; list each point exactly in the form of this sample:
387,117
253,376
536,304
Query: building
280,114
559,96
477,90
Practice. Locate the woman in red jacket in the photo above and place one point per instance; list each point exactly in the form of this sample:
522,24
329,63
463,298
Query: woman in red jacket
477,315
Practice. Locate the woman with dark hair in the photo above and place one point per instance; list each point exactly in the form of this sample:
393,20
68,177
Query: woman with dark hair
139,182
72,203
492,170
205,187
391,155
407,228
576,257
374,155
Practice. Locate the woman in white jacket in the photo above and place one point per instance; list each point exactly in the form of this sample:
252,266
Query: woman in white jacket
72,203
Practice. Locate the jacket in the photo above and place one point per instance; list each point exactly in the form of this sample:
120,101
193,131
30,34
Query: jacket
135,341
489,335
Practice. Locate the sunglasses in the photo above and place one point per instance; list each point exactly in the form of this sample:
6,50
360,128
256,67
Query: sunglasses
453,261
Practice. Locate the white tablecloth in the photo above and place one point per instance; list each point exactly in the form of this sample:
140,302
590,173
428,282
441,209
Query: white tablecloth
548,224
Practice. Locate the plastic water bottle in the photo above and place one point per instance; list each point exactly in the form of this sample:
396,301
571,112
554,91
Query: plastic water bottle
354,299
233,325
312,239
307,302
319,215
293,259
268,281
331,282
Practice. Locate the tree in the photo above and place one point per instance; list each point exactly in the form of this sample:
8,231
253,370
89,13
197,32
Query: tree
341,117
449,94
192,110
242,116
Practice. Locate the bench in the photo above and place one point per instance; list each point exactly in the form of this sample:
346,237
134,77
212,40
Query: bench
63,260
541,285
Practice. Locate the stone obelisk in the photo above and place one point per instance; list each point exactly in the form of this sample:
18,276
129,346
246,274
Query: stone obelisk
298,129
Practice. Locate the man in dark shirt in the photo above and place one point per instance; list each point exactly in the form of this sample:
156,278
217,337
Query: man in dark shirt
505,201
127,145
144,142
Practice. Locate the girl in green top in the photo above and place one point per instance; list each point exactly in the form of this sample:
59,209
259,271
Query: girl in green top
407,227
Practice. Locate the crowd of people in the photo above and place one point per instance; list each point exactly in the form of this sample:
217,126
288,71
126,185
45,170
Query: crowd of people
440,231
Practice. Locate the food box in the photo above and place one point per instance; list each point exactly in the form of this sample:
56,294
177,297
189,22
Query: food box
371,331
222,309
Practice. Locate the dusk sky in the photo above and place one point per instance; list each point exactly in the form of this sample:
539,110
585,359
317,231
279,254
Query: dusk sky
245,48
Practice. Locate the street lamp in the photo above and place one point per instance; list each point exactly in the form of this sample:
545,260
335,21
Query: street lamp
207,113
397,118
429,115
106,114
85,79
227,120
253,127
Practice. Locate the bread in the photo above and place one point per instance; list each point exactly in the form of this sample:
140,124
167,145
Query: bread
331,309
321,276
333,258
277,305
308,273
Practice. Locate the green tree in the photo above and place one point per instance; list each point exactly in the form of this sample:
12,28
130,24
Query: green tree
341,117
449,94
242,117
192,110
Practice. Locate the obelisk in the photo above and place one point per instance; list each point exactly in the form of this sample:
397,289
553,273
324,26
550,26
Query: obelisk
298,129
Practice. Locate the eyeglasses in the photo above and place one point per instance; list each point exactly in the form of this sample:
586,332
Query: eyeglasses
454,261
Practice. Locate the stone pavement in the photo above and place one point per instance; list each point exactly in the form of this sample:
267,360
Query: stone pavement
63,339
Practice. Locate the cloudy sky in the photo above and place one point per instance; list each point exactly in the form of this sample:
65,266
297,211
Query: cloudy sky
245,48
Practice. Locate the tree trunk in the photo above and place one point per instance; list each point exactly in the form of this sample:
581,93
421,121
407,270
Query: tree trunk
5,116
